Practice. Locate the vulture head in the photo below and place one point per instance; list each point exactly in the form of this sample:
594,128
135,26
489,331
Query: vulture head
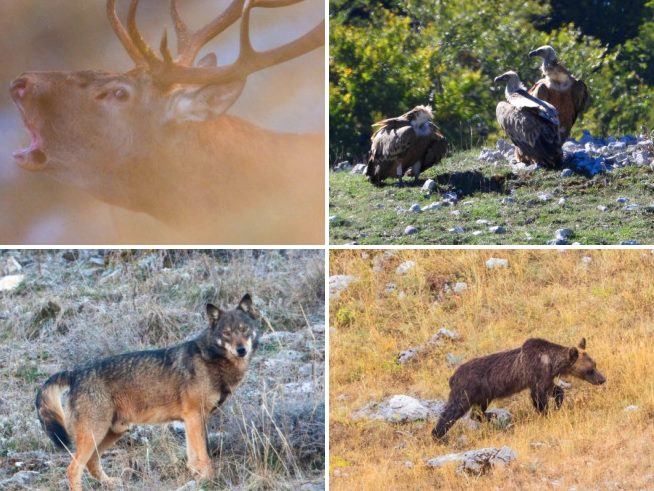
512,80
419,116
546,52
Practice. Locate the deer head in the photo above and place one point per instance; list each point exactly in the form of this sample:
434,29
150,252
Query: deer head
109,132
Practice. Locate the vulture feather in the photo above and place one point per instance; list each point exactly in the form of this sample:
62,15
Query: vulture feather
407,144
531,124
558,87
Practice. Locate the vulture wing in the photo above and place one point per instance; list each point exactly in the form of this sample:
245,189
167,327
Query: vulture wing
580,96
436,150
537,137
524,100
389,144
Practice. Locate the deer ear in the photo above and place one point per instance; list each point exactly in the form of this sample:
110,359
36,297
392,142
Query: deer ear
205,103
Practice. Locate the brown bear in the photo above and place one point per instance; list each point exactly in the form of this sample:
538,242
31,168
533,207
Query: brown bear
534,365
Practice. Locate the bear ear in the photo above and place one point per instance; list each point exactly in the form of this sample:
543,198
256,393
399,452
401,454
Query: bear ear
582,343
573,354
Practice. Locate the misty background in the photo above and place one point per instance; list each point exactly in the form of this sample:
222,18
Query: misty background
67,35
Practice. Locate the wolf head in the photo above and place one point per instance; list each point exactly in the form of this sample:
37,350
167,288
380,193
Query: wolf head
583,366
235,332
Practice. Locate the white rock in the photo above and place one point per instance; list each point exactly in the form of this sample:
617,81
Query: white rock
432,206
544,196
11,282
405,267
562,201
566,172
498,229
476,462
563,234
459,287
456,230
622,199
495,262
11,266
407,355
602,208
339,282
429,186
586,260
631,408
359,169
415,208
410,230
401,409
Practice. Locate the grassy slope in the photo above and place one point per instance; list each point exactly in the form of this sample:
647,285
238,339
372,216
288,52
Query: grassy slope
367,215
132,303
591,443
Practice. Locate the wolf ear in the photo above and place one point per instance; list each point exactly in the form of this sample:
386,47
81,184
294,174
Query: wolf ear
573,354
246,305
213,313
582,343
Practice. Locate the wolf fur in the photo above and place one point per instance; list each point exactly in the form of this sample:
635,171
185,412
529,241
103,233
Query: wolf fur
93,405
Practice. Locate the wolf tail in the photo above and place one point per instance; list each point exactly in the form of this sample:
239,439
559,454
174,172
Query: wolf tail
50,409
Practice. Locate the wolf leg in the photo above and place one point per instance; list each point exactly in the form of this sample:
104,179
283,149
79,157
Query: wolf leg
95,467
196,446
454,410
85,443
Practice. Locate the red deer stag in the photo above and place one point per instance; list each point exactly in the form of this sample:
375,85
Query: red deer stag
157,140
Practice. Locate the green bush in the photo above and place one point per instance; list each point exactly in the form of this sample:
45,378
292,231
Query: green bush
386,57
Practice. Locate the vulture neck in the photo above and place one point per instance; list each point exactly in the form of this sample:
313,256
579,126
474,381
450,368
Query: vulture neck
555,73
512,87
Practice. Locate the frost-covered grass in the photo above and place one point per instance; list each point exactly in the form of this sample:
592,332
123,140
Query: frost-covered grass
70,311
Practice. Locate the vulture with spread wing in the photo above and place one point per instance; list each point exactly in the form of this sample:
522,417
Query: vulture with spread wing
406,144
531,124
568,95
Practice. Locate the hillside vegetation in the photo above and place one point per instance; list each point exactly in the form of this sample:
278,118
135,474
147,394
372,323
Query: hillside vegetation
386,57
602,437
608,208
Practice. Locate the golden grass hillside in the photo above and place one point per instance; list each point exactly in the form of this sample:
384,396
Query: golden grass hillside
590,443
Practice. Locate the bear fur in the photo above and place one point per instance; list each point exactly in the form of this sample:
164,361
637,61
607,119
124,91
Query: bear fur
534,366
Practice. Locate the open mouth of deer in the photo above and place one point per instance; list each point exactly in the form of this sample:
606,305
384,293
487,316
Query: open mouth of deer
31,157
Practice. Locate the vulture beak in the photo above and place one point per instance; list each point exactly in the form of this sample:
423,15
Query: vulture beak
534,53
498,79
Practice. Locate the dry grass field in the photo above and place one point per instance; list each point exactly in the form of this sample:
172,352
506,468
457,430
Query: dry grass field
591,443
72,307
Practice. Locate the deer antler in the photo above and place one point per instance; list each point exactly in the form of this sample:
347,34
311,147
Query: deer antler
169,71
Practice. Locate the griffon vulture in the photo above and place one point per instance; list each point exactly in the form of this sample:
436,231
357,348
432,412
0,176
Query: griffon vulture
411,142
568,95
532,124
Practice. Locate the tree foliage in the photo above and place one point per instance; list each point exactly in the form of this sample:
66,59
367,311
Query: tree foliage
387,57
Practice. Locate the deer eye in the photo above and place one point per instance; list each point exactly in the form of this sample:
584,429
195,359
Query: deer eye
121,94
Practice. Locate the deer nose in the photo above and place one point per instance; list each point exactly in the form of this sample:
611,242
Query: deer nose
18,87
